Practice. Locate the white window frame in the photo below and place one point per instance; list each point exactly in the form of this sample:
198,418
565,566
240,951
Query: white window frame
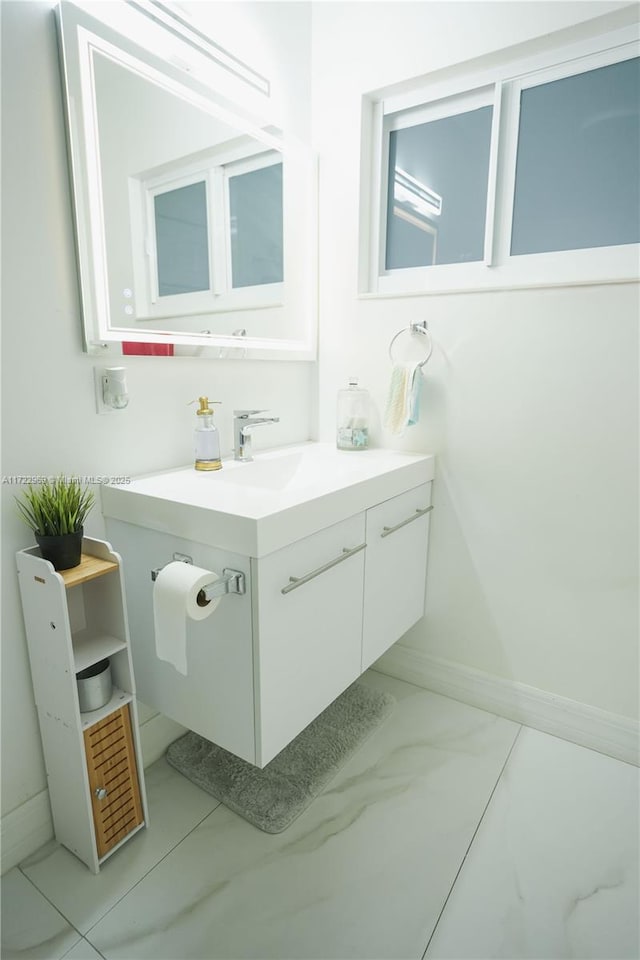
215,167
500,86
436,110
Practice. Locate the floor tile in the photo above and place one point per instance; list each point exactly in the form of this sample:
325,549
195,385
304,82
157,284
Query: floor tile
363,873
31,927
82,951
176,806
553,870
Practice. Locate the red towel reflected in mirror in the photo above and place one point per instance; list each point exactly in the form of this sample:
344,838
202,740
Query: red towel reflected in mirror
147,349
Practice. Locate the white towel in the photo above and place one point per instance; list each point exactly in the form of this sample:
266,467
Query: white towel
403,400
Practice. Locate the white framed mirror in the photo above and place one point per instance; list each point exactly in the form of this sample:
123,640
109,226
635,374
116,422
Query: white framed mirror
195,219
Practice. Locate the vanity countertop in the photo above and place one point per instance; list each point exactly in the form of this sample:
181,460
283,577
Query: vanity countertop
281,496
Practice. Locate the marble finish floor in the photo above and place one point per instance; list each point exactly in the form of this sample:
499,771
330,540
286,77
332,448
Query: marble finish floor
451,833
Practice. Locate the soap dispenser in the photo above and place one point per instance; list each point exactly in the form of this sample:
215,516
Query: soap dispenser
353,417
207,439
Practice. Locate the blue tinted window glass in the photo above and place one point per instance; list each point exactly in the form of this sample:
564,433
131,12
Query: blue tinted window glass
437,190
182,241
255,203
578,162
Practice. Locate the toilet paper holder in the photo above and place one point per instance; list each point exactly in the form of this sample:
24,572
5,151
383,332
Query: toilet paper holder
231,581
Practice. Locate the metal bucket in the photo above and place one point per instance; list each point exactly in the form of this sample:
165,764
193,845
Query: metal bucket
94,686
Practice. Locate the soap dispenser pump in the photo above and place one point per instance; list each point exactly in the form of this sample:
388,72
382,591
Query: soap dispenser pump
207,439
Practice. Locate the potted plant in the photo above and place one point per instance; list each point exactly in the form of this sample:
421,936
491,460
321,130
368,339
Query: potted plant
56,511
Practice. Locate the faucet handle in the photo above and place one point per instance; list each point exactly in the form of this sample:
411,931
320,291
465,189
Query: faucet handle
247,413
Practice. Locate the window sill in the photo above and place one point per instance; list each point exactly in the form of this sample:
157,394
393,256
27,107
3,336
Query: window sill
495,287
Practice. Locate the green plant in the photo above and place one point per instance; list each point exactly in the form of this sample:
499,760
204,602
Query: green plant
56,506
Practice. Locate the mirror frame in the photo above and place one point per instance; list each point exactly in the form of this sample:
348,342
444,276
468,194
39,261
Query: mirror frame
171,64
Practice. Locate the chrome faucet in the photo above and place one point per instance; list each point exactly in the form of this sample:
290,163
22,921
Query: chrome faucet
243,421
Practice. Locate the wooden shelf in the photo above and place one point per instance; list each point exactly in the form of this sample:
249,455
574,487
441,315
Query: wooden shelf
88,569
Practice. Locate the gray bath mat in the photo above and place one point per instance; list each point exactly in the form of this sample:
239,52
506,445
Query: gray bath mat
273,797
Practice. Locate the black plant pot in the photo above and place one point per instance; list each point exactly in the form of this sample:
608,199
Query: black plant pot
63,550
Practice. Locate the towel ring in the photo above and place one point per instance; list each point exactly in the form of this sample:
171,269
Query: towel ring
417,328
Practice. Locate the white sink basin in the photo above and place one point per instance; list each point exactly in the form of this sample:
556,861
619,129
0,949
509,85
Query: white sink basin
281,496
290,471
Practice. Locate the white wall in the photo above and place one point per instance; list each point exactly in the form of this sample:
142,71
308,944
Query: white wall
530,400
49,420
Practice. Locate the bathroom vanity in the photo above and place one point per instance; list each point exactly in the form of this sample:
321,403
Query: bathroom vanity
333,549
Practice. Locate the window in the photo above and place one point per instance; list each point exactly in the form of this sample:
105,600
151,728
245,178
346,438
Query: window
182,244
577,163
527,173
437,182
213,233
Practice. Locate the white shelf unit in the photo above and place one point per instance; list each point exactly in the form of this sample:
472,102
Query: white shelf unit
74,619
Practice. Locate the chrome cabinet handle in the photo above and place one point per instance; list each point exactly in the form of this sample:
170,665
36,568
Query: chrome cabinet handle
419,513
295,582
100,793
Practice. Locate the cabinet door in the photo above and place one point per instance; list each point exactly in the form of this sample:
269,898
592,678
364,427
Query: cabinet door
113,779
308,638
396,569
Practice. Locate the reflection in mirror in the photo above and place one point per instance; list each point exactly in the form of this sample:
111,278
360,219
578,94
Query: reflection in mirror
193,221
181,237
255,220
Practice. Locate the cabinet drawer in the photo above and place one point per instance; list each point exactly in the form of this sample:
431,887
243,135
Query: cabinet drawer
113,779
309,636
396,569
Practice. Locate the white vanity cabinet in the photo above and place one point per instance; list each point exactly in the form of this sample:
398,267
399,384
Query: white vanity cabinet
307,630
396,569
330,604
333,549
216,696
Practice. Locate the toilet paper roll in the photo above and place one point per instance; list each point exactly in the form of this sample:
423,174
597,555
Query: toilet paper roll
175,601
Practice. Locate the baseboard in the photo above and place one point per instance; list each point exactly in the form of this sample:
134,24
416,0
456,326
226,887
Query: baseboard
609,733
29,826
155,736
25,829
